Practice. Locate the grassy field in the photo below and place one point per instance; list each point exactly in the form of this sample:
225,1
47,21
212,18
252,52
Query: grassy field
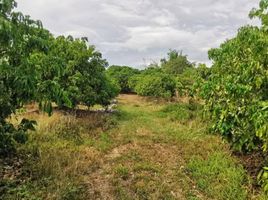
147,150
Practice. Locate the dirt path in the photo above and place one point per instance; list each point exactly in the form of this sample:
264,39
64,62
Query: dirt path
151,154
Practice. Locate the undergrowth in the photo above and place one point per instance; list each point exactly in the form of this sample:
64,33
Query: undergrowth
146,150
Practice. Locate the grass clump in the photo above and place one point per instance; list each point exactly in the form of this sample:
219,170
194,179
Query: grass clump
122,172
21,192
218,176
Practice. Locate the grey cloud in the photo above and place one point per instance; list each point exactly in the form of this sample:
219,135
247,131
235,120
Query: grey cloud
135,32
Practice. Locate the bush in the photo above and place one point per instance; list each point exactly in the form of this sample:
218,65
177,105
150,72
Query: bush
156,85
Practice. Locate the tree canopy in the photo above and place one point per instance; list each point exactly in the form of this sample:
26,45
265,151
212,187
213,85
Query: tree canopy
176,63
36,66
236,92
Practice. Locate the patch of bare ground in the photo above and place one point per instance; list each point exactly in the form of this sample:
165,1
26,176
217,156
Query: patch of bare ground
252,162
131,99
98,181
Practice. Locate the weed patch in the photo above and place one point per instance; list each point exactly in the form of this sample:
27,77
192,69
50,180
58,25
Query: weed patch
219,176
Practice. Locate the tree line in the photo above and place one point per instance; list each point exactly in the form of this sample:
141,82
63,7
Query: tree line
173,74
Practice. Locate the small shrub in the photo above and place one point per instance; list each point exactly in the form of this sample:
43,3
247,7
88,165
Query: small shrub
21,192
11,135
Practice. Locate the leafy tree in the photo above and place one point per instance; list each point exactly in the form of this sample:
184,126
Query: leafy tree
203,71
77,72
35,66
236,92
176,63
237,87
152,70
20,37
122,74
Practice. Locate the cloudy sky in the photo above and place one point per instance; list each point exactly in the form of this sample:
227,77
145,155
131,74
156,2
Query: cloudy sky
137,32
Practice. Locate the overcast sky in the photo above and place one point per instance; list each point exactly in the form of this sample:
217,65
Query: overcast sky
135,32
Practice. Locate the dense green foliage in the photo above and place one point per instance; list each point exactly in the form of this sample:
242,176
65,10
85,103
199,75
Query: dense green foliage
237,88
236,92
176,63
35,66
121,75
185,73
175,73
182,111
154,84
20,37
77,74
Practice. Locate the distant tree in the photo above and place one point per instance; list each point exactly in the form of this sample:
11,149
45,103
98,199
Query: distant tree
122,74
152,70
153,82
175,63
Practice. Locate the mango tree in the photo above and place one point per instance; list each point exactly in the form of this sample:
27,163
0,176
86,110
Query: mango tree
20,36
236,92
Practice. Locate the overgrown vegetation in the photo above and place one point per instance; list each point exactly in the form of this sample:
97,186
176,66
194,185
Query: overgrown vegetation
135,154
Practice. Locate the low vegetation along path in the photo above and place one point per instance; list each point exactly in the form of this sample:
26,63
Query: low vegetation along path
154,152
146,150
